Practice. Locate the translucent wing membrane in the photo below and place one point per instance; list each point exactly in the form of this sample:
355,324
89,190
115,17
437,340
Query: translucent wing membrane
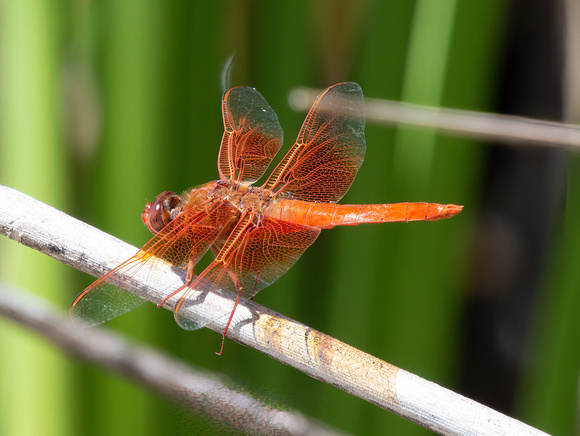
252,135
255,255
104,300
188,237
182,243
330,148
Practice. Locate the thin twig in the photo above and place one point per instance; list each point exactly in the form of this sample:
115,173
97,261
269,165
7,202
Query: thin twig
75,243
197,389
478,125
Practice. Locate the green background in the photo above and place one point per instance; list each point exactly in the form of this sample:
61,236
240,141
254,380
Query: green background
104,104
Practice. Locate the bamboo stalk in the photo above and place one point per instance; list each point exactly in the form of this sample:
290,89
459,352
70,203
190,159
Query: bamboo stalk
75,243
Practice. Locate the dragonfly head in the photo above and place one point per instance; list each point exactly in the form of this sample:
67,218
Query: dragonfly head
162,211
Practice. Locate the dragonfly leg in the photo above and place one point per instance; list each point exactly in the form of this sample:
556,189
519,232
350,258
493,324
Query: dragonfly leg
188,280
239,288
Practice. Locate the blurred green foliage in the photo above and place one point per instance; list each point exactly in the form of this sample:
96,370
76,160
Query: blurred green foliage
104,104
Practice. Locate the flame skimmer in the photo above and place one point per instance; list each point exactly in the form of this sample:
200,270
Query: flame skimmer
257,233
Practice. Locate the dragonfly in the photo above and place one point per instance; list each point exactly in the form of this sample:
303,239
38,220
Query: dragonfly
256,233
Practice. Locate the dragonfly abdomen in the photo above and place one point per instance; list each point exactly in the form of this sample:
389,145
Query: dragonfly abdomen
328,215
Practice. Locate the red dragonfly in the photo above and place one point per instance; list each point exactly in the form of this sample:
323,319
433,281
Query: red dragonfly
256,233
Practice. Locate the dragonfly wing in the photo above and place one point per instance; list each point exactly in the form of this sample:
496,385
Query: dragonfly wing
182,243
330,148
252,135
103,300
256,254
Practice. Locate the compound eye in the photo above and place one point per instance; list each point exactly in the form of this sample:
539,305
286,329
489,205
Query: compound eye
162,211
158,216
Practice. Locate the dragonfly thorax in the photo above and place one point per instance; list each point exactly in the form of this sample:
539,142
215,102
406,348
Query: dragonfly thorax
242,196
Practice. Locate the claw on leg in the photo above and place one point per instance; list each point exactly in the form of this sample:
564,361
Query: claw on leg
229,321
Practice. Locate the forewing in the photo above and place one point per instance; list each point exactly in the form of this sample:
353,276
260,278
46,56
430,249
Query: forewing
330,148
182,242
252,135
103,300
255,256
